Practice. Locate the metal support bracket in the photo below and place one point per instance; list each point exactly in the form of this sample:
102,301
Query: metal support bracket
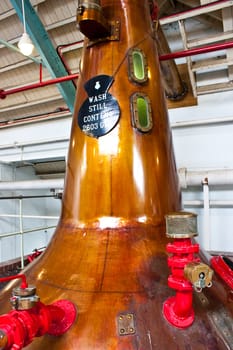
115,34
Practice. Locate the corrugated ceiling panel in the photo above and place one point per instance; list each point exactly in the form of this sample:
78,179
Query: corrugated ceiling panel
10,28
22,76
41,93
9,57
5,6
61,36
52,12
10,11
41,108
12,100
29,96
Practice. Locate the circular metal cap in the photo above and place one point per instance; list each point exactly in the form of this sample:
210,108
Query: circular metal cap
181,224
24,292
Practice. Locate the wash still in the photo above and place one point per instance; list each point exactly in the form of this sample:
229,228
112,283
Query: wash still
108,258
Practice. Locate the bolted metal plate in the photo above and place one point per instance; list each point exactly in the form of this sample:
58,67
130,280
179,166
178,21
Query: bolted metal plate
125,324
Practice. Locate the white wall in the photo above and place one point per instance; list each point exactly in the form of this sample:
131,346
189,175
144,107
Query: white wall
207,147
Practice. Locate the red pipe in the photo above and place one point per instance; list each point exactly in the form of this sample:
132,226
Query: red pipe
41,71
10,278
19,328
59,52
169,56
4,93
223,270
196,51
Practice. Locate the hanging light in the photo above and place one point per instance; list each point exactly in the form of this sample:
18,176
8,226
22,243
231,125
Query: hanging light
25,44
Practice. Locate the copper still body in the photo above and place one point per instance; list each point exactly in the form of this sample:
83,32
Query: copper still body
121,181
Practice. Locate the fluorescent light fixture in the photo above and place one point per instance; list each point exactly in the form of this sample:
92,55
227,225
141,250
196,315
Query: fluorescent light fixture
25,44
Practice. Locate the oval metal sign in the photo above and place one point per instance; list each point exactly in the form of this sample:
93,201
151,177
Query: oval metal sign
100,112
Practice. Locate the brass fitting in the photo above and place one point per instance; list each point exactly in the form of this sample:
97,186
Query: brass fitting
199,274
24,298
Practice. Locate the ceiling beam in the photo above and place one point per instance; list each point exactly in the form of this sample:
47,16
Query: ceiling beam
44,46
197,11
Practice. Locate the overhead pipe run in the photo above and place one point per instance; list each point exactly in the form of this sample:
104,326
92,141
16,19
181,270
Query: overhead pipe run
196,51
44,46
31,185
219,177
202,122
162,57
169,56
4,93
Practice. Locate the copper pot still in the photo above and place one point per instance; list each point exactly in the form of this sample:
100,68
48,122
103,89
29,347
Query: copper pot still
108,253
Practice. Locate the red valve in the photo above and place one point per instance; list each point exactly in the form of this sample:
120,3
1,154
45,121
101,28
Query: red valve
31,318
187,272
18,328
178,309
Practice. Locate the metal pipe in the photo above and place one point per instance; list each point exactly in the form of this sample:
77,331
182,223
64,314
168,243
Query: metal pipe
196,51
4,93
21,232
193,123
206,213
187,178
165,57
212,203
28,197
195,178
169,56
60,53
10,278
33,184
